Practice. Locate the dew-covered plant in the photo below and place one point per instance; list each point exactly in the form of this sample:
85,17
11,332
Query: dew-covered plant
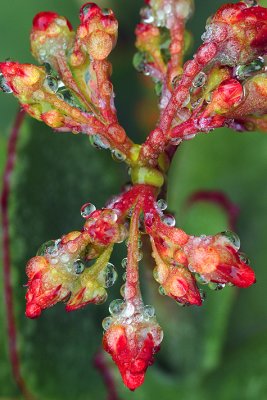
225,84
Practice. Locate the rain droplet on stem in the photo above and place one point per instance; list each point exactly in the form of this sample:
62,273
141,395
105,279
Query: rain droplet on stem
87,209
162,204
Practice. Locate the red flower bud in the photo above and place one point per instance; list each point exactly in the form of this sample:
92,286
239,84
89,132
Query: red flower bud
132,348
216,259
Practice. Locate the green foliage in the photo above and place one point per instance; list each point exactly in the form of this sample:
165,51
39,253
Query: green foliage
216,351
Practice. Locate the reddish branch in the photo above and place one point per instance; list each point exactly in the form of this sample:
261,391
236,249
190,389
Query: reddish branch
219,198
103,368
8,291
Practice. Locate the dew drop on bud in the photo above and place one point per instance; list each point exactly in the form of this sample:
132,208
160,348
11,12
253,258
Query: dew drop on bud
64,258
220,286
186,101
110,275
122,290
78,266
162,204
99,142
245,71
180,304
124,262
244,258
251,3
202,295
87,7
201,279
139,255
162,291
147,15
176,80
107,11
212,285
51,83
233,238
169,220
124,276
87,209
106,323
117,155
46,247
139,61
200,80
4,86
116,307
149,312
128,310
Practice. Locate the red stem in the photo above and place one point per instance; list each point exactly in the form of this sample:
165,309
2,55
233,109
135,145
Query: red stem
219,198
8,290
101,365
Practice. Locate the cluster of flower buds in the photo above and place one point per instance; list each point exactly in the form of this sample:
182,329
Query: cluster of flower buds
224,84
75,268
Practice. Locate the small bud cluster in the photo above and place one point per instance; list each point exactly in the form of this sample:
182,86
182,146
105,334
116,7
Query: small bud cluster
225,84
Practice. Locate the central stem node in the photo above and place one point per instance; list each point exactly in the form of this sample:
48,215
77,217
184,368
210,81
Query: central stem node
147,176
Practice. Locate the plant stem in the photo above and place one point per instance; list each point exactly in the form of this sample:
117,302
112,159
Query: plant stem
8,290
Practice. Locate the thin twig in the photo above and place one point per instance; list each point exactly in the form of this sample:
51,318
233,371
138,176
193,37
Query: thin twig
8,290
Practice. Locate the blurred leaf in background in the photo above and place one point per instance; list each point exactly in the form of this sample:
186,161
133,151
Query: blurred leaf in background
218,350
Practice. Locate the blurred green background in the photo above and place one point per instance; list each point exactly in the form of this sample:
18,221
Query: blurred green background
218,351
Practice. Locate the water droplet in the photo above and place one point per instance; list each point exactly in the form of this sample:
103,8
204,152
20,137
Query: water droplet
46,247
245,71
200,80
78,266
107,11
149,312
201,279
180,304
202,295
251,3
124,276
106,323
99,142
124,262
51,83
176,80
110,275
87,7
122,290
244,258
128,310
220,286
64,258
232,238
212,285
186,101
162,291
117,306
146,15
158,88
118,156
3,85
139,61
87,210
139,256
169,220
162,204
